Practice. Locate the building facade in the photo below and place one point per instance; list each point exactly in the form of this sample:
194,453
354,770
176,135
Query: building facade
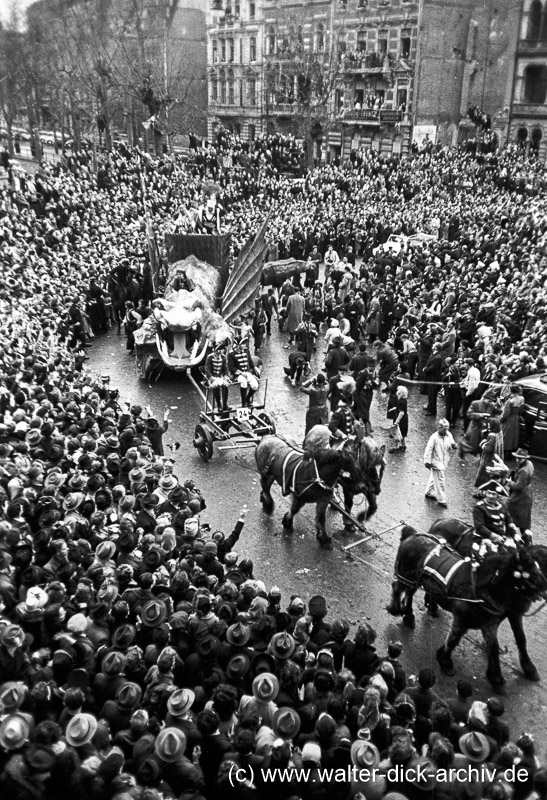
528,111
235,66
379,73
338,73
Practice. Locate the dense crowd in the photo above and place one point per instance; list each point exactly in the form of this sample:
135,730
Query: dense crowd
139,654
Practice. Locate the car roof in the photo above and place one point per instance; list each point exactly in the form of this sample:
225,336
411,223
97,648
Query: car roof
538,382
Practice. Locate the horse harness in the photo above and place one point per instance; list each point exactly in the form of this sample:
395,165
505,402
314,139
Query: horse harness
299,474
442,564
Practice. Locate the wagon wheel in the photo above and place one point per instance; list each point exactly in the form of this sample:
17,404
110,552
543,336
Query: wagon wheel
267,421
203,442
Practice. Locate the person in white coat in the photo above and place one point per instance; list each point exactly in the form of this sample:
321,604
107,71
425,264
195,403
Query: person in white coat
436,459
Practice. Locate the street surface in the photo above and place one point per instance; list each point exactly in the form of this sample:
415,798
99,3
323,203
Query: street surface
354,589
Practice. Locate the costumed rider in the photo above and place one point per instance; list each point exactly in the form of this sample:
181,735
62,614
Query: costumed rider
493,524
342,422
242,366
208,215
218,376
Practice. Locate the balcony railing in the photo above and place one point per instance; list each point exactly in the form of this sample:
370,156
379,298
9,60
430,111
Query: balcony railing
530,109
532,46
390,116
367,114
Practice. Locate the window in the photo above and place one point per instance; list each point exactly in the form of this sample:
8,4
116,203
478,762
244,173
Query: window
544,25
252,48
522,135
402,99
320,37
214,89
252,133
341,45
236,8
215,51
270,41
231,92
405,44
361,41
251,83
382,42
240,87
535,83
223,91
232,50
252,10
534,20
223,49
535,139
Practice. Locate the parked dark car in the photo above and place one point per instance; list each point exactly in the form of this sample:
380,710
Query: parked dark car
533,425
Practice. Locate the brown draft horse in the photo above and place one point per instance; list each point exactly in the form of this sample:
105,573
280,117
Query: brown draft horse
371,458
513,581
271,454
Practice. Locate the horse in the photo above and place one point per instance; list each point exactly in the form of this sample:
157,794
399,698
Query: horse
461,537
371,458
306,479
503,586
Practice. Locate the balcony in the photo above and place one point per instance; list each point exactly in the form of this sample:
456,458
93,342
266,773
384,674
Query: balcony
226,109
536,110
285,109
531,47
369,63
366,115
373,117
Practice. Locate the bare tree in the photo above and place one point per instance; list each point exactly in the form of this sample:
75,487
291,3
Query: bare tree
13,77
115,68
302,73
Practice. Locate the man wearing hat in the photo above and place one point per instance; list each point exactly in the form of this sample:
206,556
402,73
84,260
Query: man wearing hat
14,662
110,678
181,774
265,689
337,357
209,562
146,518
491,520
14,731
25,774
218,375
521,492
80,730
241,364
286,723
342,422
119,711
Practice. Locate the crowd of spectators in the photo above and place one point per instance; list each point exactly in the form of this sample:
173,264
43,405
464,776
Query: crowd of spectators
139,655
